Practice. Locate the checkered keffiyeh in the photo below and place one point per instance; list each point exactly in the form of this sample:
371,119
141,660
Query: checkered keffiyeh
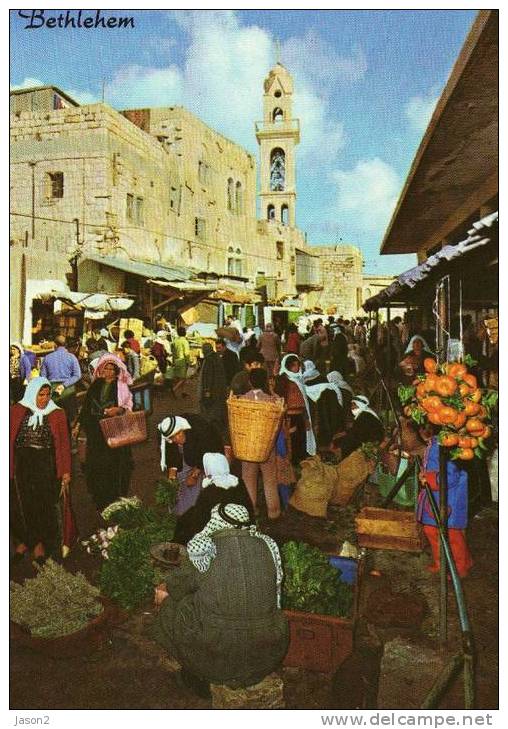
202,549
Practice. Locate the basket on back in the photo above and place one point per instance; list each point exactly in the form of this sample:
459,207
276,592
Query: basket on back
253,427
124,430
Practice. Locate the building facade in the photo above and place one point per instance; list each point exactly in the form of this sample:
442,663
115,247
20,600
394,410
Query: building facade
93,189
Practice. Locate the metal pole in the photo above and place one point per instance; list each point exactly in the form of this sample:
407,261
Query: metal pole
443,515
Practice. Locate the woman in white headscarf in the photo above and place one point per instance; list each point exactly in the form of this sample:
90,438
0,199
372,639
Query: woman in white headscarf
290,385
40,468
367,427
184,442
220,613
218,486
412,364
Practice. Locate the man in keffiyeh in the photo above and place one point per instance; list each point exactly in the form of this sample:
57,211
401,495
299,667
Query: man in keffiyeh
221,618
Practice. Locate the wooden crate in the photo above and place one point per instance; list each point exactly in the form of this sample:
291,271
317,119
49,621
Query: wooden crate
389,529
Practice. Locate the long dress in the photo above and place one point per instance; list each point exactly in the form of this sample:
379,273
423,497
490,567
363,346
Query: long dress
40,458
213,390
108,470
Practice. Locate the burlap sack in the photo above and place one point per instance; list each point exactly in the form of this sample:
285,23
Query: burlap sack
313,490
350,474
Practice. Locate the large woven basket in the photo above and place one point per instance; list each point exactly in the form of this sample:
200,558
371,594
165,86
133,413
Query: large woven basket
124,430
253,427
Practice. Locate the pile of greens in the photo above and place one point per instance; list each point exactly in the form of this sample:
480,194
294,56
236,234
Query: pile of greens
311,584
128,576
55,603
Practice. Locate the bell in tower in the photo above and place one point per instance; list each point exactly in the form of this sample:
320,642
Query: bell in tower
277,135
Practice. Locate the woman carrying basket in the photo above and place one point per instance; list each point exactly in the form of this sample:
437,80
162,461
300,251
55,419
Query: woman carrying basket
108,470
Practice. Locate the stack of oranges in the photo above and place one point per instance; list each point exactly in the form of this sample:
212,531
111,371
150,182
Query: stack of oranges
448,396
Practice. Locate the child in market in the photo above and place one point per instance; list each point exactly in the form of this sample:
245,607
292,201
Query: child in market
457,478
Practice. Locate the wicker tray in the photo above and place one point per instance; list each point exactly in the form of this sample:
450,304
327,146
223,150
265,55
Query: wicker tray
253,427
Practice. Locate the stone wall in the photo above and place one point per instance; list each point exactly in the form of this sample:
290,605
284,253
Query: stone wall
341,268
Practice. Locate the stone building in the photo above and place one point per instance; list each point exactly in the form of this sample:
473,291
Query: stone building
341,271
155,204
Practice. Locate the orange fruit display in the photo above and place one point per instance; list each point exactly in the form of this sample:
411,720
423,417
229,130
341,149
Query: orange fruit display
460,420
446,386
434,418
449,440
430,365
471,408
475,426
464,389
470,380
476,395
466,454
456,369
446,414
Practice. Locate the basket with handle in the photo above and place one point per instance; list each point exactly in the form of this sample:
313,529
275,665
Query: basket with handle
124,430
253,427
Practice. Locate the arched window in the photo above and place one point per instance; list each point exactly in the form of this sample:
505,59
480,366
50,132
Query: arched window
367,293
278,115
270,212
277,170
239,198
284,215
231,194
231,261
235,261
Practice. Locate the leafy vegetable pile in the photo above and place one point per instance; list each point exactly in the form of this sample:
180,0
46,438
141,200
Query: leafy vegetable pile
55,603
128,575
449,398
311,584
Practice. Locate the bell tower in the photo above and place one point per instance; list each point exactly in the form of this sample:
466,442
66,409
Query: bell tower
277,136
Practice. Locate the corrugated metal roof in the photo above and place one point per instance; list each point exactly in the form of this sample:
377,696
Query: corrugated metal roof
479,235
144,268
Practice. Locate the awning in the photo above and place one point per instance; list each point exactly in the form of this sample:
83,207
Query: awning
184,286
480,237
235,297
143,268
88,302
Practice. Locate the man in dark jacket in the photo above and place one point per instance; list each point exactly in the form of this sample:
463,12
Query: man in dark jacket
230,360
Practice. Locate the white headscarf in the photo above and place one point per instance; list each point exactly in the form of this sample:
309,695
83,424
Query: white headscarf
310,371
297,378
336,378
30,401
362,404
409,347
202,549
168,428
216,468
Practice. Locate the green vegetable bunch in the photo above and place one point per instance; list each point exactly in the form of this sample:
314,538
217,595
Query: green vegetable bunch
128,576
54,603
311,584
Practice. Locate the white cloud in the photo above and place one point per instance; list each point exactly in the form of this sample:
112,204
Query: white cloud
316,60
419,110
27,83
141,86
366,196
221,80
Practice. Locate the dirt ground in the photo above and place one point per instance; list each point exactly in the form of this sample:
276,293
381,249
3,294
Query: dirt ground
400,600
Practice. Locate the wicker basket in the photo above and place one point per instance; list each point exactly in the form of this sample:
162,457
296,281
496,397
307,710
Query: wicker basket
124,430
253,427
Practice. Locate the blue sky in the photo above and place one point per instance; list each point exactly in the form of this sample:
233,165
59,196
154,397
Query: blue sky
366,83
